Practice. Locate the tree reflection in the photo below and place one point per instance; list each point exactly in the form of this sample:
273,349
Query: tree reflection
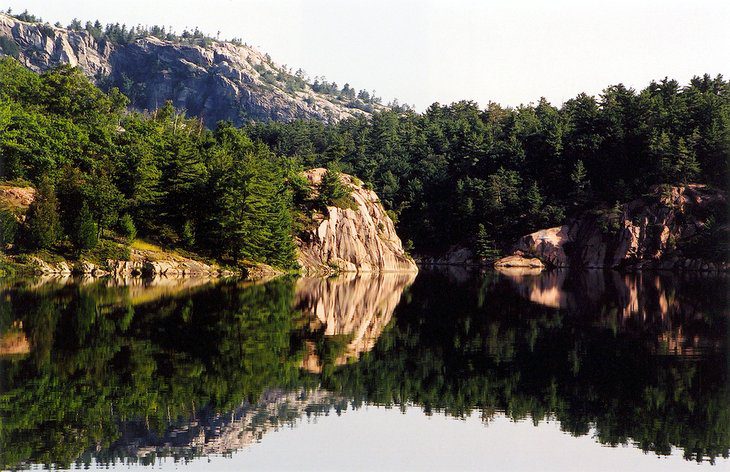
126,371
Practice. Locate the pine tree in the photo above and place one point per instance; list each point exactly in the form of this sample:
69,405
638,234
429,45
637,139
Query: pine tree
85,230
8,228
43,224
127,228
485,246
332,192
685,168
581,184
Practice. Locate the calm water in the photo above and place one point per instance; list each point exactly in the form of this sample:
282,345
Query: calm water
446,370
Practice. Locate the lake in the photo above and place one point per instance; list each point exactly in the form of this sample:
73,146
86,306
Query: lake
447,370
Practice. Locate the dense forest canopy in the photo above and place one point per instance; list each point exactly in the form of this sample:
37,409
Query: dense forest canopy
138,174
454,174
453,168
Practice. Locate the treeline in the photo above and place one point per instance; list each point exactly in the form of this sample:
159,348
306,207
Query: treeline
105,175
460,174
121,34
452,175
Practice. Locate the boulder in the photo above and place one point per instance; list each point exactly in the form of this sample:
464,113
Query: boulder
520,261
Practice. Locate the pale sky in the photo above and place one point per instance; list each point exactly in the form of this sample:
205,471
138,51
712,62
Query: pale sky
376,438
507,51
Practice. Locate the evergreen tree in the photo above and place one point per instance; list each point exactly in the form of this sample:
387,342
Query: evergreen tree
106,200
43,225
85,230
581,184
685,168
127,228
331,189
485,246
8,228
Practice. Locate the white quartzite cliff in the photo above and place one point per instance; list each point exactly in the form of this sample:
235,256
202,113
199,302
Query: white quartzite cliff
352,240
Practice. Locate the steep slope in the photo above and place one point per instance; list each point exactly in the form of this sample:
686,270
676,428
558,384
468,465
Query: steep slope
360,239
214,80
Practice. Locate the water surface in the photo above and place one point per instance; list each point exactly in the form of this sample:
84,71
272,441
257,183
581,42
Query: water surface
446,370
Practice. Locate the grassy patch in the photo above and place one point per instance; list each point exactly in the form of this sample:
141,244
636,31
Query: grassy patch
345,202
145,246
106,250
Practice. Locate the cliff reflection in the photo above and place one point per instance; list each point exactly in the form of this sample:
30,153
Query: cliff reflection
351,309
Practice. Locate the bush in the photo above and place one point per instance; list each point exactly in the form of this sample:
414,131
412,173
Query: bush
43,224
106,250
332,192
85,230
8,228
127,228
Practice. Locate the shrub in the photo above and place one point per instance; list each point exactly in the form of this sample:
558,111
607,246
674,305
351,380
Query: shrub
127,228
332,192
106,250
43,224
8,228
85,230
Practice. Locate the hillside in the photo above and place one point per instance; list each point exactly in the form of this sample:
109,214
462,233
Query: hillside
214,80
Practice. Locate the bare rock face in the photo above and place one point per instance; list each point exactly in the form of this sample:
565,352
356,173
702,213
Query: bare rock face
352,240
218,81
650,232
18,198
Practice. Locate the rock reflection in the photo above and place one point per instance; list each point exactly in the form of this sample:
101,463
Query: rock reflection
664,300
210,432
354,309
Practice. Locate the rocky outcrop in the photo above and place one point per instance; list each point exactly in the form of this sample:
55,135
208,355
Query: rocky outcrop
359,239
660,231
141,263
520,262
14,342
153,263
211,432
358,307
215,81
16,198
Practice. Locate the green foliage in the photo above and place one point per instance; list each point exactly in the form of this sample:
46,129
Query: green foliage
105,250
485,247
331,191
8,228
43,227
85,230
127,228
451,168
441,173
161,176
